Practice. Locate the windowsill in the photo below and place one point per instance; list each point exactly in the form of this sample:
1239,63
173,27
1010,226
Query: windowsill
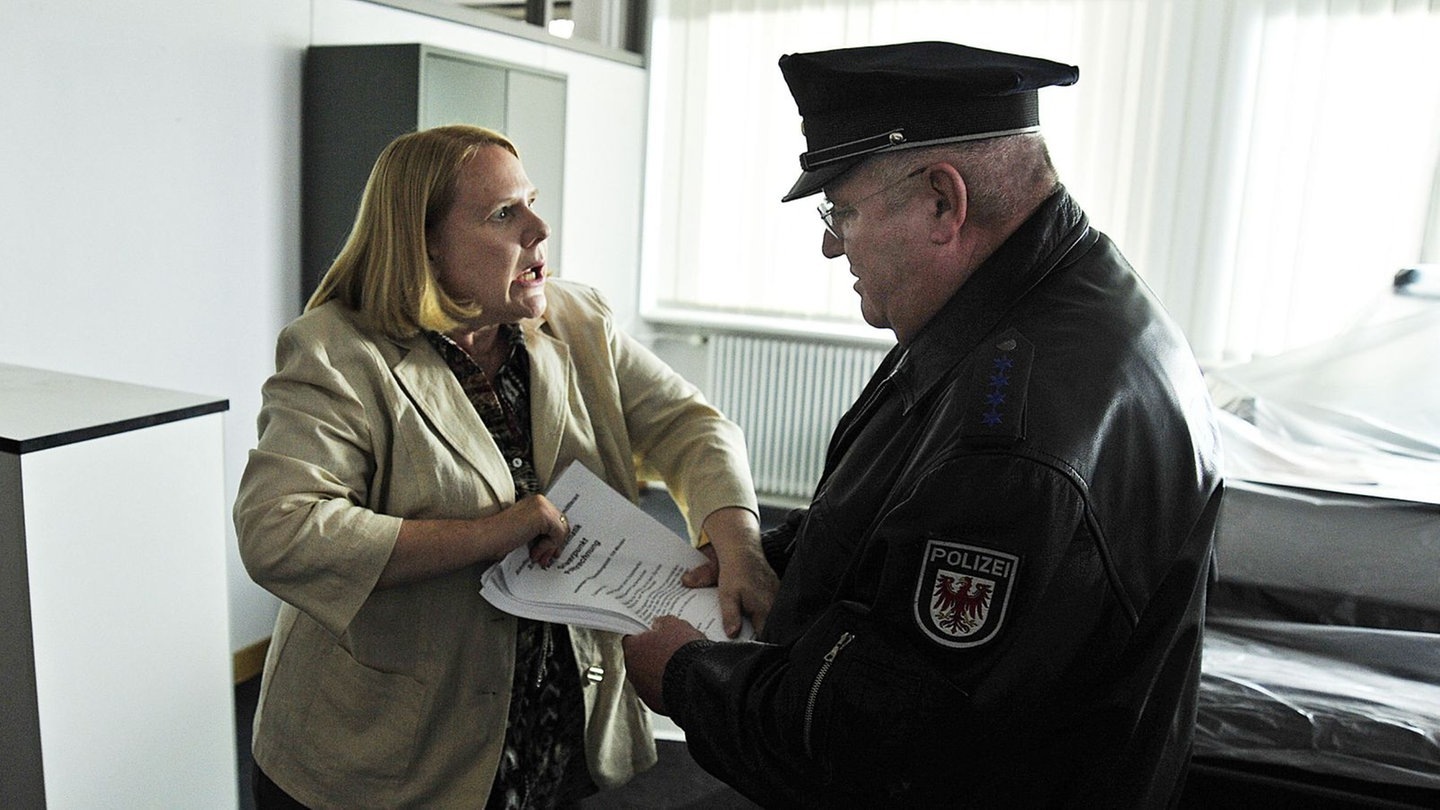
768,325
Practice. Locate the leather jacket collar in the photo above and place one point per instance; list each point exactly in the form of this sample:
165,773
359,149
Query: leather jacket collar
1057,233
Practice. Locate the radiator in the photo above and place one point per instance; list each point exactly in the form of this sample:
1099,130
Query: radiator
787,396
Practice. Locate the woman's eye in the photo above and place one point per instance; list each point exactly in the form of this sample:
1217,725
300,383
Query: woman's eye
503,213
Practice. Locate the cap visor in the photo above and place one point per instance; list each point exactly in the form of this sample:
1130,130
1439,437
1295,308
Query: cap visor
812,181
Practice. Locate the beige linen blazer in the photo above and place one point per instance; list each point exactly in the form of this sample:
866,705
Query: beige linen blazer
398,698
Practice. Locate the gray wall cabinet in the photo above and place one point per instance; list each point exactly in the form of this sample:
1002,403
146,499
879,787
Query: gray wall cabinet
357,98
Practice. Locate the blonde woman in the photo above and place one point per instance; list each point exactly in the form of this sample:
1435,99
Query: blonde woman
438,380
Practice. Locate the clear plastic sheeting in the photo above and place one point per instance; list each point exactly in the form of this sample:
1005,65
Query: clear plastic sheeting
1322,647
1347,701
1358,414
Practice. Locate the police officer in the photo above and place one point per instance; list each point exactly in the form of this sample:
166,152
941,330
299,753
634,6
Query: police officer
995,597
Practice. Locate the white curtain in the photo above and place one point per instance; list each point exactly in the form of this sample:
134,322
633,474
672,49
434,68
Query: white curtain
1266,165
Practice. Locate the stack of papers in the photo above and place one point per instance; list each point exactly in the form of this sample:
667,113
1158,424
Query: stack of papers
619,571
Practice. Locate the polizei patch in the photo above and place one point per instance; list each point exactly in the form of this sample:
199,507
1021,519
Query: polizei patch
963,591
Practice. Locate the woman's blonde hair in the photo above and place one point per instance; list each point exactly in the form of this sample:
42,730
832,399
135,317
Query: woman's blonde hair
384,271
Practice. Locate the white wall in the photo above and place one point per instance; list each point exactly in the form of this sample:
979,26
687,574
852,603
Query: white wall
149,191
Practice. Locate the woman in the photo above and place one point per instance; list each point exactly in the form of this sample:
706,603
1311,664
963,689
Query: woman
436,383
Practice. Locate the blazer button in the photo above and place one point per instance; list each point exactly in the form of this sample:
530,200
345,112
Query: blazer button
594,673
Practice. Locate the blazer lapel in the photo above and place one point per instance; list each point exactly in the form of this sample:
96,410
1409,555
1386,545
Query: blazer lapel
550,383
432,386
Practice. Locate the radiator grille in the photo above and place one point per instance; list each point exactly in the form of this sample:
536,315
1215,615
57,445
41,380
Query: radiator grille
787,395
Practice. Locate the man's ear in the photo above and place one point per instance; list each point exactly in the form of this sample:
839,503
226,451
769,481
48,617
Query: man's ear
948,202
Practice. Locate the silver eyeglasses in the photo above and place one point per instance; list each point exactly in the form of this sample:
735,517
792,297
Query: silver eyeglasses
829,214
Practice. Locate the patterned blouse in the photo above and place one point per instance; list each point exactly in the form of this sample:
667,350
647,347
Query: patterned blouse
543,761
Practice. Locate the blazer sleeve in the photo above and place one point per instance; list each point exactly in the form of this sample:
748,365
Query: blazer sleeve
305,531
678,437
670,432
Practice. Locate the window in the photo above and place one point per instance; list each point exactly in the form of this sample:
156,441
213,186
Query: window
1266,165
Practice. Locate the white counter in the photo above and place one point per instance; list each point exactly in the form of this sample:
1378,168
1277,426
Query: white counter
116,688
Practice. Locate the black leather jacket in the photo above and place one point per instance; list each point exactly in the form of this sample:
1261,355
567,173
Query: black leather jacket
995,598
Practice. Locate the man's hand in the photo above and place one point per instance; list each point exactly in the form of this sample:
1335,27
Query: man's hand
737,564
647,653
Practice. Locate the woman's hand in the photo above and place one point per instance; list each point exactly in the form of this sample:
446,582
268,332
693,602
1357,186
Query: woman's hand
736,563
550,528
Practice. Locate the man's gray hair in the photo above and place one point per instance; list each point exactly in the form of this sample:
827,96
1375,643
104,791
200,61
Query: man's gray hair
1005,178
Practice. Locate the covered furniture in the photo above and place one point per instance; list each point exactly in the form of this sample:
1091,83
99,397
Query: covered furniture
1321,672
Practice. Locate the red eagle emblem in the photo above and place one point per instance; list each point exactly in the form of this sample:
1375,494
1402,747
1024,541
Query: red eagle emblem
963,591
960,603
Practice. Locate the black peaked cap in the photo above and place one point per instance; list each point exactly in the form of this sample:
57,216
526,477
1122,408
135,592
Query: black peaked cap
858,102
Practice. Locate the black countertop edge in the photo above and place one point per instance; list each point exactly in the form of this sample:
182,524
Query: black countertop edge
22,446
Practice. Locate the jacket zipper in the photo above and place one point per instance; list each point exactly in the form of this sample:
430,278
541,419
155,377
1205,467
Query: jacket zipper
845,638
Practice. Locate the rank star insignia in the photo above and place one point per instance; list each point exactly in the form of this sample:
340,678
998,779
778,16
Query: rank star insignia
998,385
962,593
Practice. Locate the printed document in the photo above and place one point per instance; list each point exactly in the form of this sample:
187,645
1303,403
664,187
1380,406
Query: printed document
619,571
